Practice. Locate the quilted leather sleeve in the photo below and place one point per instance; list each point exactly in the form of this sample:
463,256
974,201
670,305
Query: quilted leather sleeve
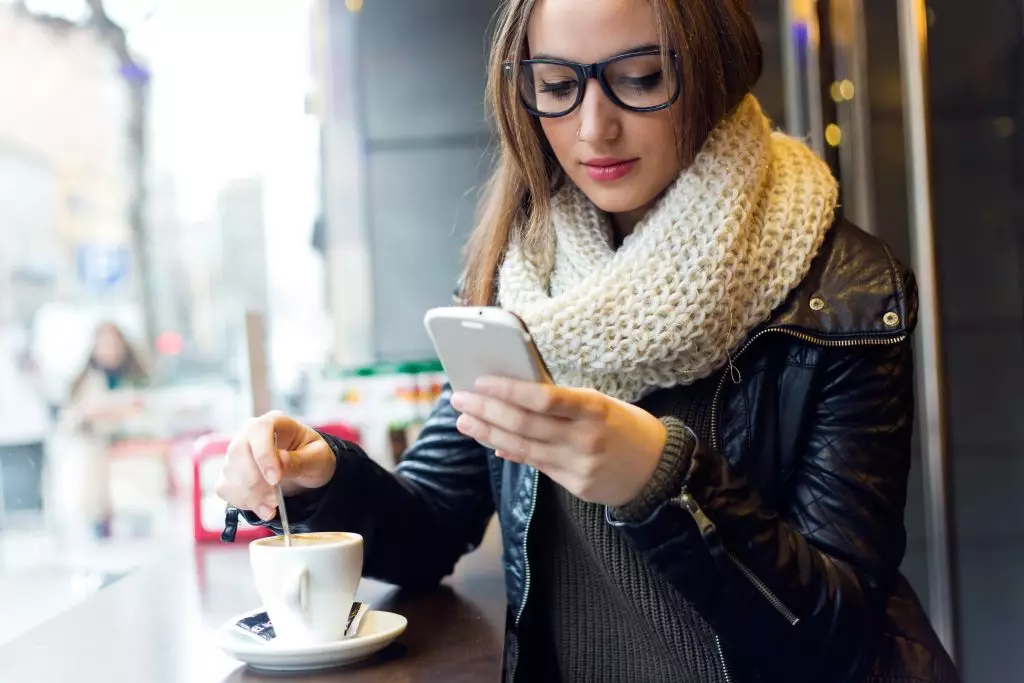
798,592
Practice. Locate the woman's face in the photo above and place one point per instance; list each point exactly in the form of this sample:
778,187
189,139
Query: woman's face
109,352
639,147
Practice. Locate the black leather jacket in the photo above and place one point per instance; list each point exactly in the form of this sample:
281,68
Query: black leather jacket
789,532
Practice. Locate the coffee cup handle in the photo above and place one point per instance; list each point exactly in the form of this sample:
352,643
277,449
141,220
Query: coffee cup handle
296,592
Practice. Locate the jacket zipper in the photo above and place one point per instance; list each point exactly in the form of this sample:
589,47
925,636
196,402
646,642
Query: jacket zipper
721,660
706,526
703,522
765,591
811,339
710,535
526,569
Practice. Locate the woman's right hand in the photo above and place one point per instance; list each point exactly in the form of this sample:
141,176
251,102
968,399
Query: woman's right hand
254,465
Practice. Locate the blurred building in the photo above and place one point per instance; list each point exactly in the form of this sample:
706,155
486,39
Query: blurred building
243,252
167,269
63,178
206,273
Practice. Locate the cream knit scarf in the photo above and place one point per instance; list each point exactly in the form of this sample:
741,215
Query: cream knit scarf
718,252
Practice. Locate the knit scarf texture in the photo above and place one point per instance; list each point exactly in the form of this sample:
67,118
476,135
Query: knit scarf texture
716,254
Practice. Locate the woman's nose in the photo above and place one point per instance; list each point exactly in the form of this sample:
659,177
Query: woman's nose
598,115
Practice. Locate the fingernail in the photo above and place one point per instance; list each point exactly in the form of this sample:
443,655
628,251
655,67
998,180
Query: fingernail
465,426
266,513
271,476
458,400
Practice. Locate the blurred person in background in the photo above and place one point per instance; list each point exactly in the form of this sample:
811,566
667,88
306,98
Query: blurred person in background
101,401
714,488
112,365
24,425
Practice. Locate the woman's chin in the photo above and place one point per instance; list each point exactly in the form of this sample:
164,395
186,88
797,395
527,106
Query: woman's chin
622,199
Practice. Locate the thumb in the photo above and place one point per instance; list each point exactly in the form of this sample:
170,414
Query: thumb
305,465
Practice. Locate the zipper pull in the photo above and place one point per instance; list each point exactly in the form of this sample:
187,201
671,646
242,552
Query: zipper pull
707,528
230,524
734,372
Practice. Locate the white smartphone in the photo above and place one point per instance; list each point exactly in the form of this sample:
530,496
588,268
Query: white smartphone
479,341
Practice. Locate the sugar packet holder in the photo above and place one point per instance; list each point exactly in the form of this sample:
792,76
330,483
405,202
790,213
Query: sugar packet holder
257,625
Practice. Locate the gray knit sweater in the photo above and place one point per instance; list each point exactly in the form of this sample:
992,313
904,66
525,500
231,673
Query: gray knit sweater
600,614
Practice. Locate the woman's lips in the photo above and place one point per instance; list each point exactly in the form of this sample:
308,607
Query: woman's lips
607,170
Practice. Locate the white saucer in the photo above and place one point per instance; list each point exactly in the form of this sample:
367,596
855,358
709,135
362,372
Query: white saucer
378,630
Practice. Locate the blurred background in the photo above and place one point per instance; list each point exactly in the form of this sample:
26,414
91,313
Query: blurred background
208,209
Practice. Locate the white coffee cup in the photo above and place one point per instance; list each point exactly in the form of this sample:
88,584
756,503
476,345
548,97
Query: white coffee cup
308,588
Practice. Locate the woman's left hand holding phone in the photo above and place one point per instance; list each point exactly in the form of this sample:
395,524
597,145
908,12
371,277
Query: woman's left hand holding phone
600,449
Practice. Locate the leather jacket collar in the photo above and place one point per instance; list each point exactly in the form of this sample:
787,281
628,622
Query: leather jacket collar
856,290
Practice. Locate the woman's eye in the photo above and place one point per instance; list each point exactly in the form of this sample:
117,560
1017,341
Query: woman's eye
642,83
559,89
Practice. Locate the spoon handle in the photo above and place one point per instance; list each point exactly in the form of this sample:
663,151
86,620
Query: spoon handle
283,511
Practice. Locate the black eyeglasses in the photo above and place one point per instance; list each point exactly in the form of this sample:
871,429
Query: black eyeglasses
635,81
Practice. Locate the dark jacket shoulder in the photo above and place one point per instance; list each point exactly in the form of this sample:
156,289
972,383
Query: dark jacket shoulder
856,288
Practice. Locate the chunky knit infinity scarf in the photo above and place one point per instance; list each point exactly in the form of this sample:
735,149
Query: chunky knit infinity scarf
716,254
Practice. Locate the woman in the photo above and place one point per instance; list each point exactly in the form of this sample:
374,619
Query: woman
112,365
99,406
718,480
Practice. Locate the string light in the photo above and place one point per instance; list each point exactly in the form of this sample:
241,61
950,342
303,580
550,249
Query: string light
842,91
833,135
1004,127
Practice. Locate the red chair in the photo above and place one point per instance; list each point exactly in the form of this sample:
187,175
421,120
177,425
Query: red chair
207,456
340,430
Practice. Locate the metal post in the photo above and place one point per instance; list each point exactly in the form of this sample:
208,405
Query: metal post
139,113
802,71
257,365
824,78
792,83
812,84
3,501
344,174
913,34
853,116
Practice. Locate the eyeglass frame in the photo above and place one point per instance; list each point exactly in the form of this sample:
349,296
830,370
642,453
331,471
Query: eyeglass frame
585,72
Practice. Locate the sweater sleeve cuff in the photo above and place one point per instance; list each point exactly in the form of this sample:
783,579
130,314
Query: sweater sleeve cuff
667,479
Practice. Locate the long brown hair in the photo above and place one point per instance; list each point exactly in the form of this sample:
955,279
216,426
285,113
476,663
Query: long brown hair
719,61
131,367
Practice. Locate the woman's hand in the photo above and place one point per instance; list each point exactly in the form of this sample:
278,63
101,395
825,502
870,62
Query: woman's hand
600,449
255,464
